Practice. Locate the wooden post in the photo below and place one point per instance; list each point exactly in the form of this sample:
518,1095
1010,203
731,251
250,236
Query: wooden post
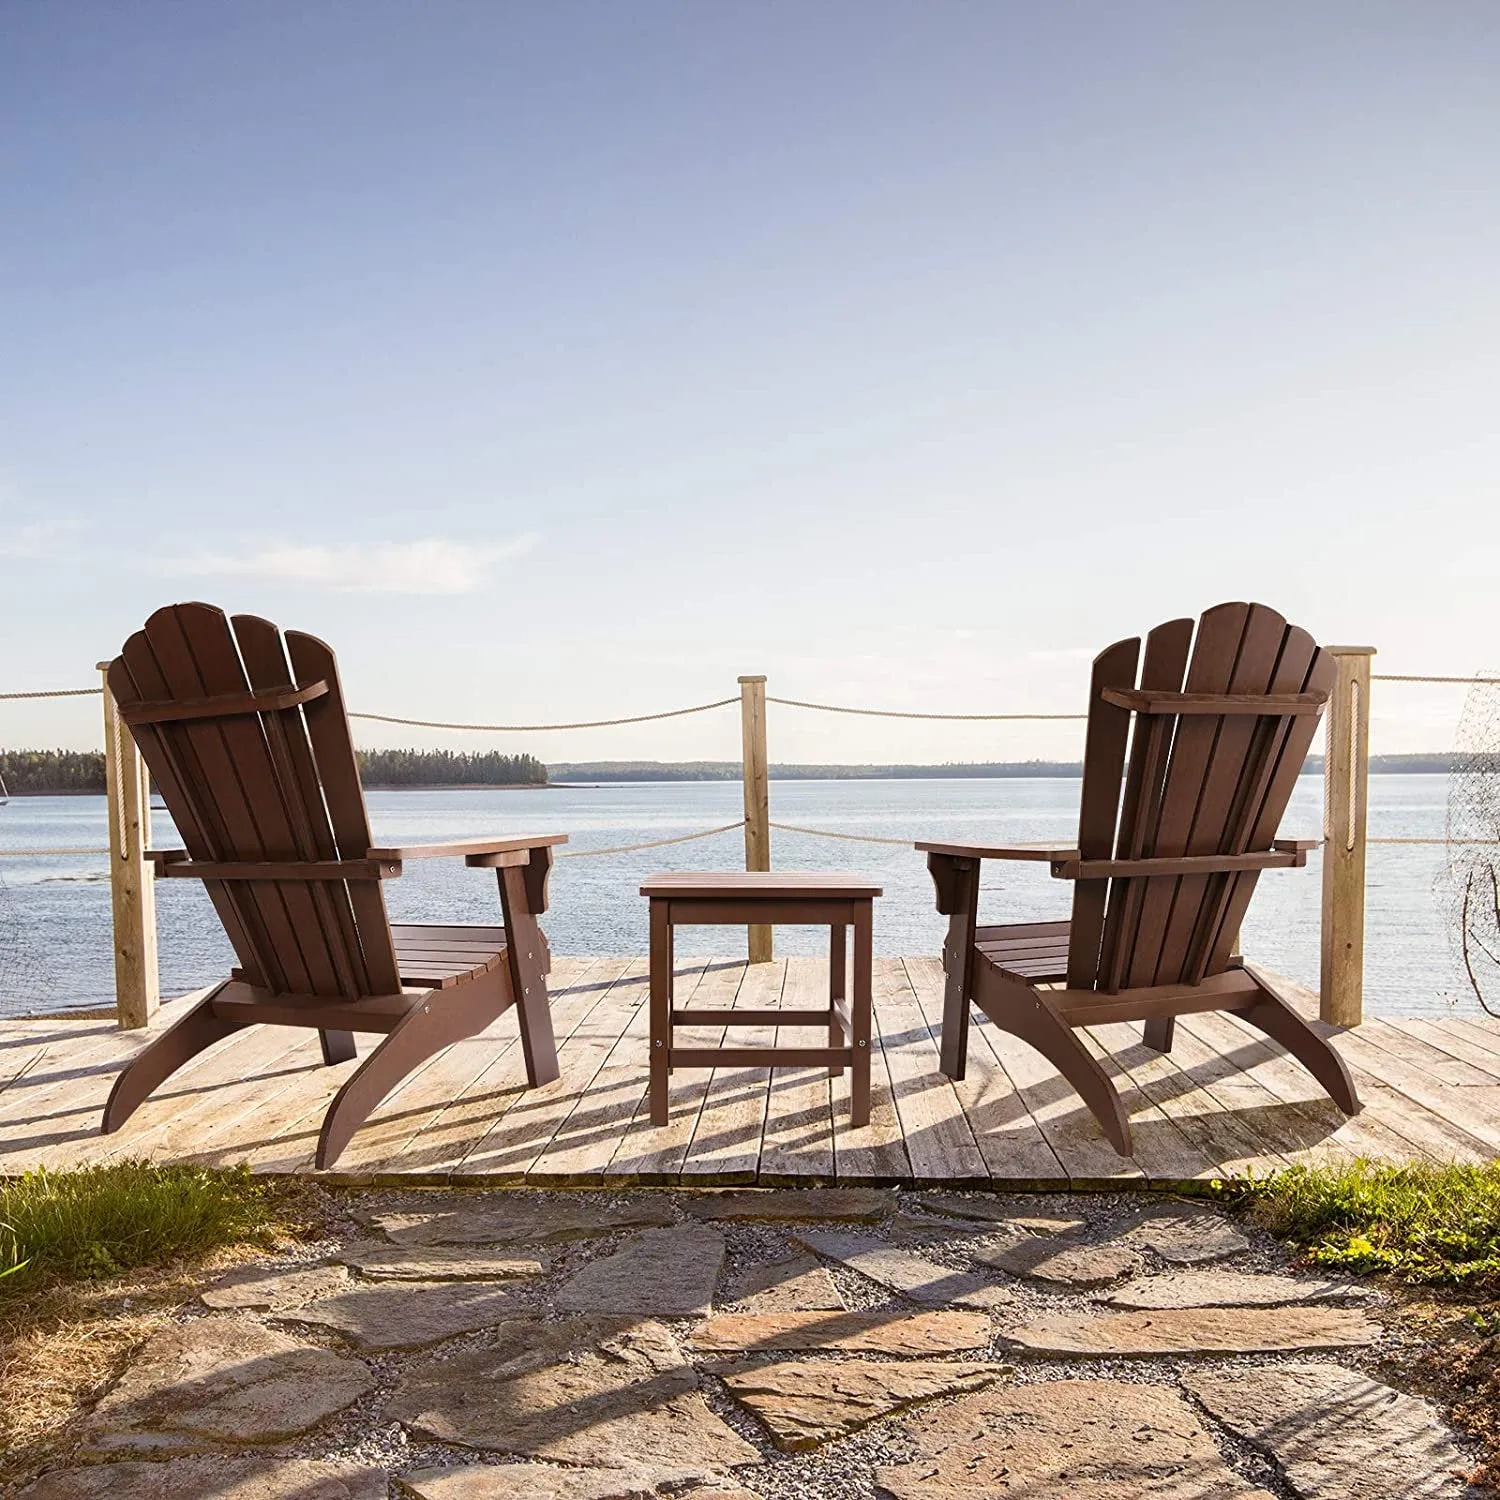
1346,785
127,786
757,797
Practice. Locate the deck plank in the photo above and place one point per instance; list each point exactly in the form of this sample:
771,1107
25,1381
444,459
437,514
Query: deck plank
1181,1135
797,1145
1225,1101
940,1141
653,1155
725,1149
1016,1152
525,1130
588,1139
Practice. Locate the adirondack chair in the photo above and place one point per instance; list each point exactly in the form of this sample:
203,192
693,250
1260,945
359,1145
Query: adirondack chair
248,741
1186,777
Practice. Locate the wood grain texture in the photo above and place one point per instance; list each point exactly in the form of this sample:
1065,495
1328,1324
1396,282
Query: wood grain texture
1226,1099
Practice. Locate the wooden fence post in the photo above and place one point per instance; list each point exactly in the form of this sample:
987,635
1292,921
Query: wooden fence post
1346,787
757,797
127,786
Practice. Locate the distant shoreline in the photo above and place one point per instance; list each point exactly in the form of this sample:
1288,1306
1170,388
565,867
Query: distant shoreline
578,775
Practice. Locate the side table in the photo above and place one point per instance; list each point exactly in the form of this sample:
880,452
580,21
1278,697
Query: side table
742,898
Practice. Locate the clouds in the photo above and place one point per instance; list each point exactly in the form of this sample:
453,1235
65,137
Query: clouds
431,565
36,539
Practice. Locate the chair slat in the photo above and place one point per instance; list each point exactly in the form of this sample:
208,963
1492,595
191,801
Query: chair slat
1231,763
266,663
328,732
1099,811
1165,660
289,910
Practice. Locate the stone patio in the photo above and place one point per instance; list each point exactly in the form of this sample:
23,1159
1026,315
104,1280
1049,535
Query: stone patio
774,1345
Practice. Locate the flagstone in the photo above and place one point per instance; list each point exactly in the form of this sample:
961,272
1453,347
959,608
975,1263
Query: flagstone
805,1403
1336,1433
440,1263
592,1391
797,1283
996,1211
791,1205
408,1315
661,1272
221,1380
534,1481
913,1276
1231,1289
850,1332
219,1478
515,1218
1196,1330
1065,1440
1063,1262
257,1287
1186,1235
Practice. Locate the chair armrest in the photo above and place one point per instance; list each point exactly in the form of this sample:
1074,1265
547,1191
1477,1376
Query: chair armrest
1296,846
160,858
471,849
1041,853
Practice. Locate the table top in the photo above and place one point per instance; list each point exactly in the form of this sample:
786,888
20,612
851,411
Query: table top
795,885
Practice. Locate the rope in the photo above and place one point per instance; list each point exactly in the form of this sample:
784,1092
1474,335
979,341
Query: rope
686,838
18,853
1469,681
890,713
858,838
671,713
1430,841
54,693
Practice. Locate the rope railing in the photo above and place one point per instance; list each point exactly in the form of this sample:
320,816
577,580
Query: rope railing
36,853
685,838
52,693
670,713
1412,677
828,833
892,713
701,708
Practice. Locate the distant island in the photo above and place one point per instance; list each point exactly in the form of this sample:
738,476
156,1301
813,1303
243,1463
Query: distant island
64,772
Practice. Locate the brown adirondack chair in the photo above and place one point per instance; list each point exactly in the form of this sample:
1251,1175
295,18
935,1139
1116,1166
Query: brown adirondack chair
1186,777
248,741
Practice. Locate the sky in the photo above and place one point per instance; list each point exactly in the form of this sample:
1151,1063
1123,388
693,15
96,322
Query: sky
566,361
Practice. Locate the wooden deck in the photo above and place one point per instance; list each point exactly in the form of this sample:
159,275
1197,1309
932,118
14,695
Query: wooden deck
1224,1101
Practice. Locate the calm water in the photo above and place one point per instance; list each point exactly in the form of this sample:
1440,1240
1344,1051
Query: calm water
55,925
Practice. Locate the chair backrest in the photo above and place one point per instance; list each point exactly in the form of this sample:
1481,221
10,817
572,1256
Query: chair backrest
248,741
1197,758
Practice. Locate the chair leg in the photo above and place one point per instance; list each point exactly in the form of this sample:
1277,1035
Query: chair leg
528,959
338,1046
1159,1032
445,1017
198,1030
1023,1015
1279,1021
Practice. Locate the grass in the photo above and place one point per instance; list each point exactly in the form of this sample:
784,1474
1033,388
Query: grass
101,1221
93,1262
1434,1225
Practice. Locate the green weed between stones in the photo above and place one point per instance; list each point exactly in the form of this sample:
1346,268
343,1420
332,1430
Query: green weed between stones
1430,1224
99,1221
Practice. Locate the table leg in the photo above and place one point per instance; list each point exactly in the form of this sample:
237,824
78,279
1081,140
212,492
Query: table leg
838,989
859,1083
661,1008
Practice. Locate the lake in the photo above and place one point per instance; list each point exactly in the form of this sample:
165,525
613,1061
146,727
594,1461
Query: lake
55,949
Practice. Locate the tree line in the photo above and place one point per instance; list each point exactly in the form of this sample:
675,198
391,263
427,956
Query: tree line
41,772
